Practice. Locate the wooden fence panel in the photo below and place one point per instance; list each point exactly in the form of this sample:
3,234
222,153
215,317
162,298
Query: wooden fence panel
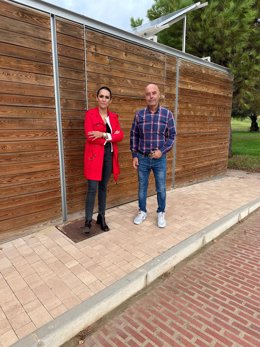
203,123
29,165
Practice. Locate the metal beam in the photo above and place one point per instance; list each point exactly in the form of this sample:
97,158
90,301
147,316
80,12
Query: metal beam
58,117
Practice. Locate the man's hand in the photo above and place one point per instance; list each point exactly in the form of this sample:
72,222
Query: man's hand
156,154
135,163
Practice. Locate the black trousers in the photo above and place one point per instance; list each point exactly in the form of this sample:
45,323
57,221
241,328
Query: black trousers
101,186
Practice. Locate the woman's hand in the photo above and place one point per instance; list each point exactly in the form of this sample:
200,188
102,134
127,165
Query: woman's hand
93,135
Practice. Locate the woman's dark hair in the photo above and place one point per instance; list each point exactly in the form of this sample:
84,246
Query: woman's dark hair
106,88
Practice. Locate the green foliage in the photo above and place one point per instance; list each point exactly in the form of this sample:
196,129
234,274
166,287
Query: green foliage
244,162
245,147
245,143
136,22
240,124
227,32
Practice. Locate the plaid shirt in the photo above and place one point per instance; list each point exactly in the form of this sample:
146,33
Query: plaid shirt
152,131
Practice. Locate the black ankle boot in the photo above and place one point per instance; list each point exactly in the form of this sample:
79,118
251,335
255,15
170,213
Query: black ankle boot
101,220
87,227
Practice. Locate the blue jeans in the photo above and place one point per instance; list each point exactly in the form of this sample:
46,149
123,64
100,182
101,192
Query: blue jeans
101,186
158,166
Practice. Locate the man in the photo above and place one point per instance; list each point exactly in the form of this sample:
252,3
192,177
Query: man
151,137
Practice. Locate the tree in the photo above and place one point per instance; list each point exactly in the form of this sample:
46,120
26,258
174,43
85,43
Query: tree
136,22
228,32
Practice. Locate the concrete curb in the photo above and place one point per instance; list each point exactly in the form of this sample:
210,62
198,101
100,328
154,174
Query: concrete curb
65,327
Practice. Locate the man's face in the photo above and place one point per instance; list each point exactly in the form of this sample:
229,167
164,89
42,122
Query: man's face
152,95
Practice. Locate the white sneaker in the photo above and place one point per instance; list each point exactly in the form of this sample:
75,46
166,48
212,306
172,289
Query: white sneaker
140,217
161,220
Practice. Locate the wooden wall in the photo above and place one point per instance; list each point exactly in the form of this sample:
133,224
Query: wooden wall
203,123
87,59
29,167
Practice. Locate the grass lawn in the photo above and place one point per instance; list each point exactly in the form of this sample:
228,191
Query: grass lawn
245,147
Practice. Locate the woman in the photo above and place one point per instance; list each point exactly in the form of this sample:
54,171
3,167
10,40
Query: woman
102,131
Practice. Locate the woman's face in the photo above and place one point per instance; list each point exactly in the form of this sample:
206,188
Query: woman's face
103,99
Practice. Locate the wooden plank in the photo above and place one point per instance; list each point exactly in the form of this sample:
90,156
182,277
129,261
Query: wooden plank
26,89
72,74
72,104
30,188
25,41
212,88
69,28
25,77
28,146
74,143
26,124
73,95
73,124
29,219
27,15
19,205
105,53
29,101
28,157
28,177
97,79
26,135
26,65
127,47
25,53
67,83
202,95
70,41
25,28
108,71
72,52
74,114
72,63
124,64
26,112
11,169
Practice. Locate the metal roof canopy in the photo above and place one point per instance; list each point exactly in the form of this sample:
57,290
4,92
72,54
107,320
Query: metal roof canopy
90,23
149,30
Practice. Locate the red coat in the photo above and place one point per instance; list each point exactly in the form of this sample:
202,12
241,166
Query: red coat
94,149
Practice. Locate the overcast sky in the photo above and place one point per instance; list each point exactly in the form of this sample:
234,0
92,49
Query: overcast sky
114,12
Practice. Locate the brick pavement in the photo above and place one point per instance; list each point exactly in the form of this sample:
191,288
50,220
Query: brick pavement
213,299
45,274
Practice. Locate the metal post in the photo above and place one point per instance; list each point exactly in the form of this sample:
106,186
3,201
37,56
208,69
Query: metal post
184,34
58,116
175,117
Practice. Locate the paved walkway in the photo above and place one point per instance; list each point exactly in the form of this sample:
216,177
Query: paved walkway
212,300
45,278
